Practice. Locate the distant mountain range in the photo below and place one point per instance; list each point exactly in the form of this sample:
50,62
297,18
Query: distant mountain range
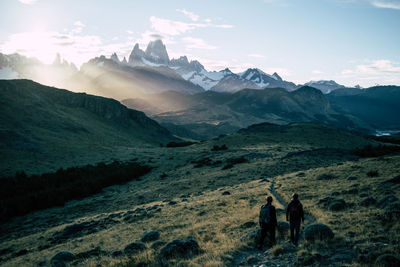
133,74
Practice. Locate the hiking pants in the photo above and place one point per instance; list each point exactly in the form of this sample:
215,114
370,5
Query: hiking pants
270,229
295,231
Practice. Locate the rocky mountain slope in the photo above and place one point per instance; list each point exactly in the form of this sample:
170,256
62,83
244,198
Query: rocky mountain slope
44,128
211,113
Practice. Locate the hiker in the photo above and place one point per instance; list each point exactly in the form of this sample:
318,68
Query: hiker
268,222
295,214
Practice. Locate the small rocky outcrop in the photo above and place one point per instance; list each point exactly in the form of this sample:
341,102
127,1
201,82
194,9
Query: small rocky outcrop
180,248
318,231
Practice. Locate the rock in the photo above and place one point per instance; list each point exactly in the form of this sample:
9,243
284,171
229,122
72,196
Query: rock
367,202
158,244
134,248
150,236
62,258
172,202
248,225
117,253
337,204
317,231
225,193
387,260
180,248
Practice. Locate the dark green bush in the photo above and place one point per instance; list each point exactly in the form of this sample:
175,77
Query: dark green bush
22,194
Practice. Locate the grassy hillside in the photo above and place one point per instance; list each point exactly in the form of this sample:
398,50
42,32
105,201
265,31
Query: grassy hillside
44,128
212,194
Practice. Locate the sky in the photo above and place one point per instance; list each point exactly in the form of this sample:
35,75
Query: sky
349,41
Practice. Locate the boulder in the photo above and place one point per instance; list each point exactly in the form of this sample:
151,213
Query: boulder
62,258
226,193
318,231
180,248
150,236
387,260
134,248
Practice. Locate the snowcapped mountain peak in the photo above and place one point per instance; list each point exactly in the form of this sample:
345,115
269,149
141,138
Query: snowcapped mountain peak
156,52
325,86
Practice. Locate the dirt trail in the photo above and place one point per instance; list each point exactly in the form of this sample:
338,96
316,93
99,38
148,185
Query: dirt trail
254,257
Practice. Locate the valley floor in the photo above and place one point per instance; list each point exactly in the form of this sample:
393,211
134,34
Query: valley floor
214,198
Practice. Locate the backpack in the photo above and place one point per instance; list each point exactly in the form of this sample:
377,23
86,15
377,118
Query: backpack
265,214
295,211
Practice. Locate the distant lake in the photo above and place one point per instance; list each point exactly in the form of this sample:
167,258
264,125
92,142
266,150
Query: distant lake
386,132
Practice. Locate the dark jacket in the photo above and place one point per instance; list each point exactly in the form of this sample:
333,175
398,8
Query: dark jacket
272,214
298,216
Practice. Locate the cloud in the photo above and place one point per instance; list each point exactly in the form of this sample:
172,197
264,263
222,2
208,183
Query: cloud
73,46
256,55
28,2
392,4
196,43
382,71
79,23
190,15
172,28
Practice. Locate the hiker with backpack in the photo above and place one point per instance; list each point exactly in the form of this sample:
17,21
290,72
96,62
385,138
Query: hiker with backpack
268,222
295,215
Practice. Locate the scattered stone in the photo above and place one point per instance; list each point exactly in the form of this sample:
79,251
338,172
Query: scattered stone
387,260
172,203
180,248
367,202
117,253
134,248
225,193
158,244
150,236
62,258
248,225
317,231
